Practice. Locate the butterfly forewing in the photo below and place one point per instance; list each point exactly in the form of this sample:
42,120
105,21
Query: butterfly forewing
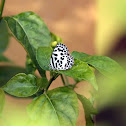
61,59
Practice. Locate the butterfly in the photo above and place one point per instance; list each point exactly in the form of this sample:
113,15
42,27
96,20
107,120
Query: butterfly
60,58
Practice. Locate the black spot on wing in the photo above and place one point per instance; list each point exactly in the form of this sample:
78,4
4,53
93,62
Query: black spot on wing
61,58
55,54
61,62
52,63
59,49
56,65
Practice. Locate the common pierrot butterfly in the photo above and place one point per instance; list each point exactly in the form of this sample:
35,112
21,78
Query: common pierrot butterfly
60,58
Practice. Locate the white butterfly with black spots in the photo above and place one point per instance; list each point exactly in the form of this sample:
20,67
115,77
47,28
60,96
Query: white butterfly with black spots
60,58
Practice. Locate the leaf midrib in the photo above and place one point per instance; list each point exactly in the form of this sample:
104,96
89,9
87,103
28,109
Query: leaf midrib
52,107
33,56
23,30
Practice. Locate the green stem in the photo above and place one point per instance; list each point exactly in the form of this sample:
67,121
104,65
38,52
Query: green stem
67,81
41,72
63,80
51,80
74,85
1,8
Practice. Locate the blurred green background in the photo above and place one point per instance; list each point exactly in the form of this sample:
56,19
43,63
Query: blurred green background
110,25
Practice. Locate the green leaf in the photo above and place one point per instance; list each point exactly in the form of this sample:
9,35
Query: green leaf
42,82
2,100
43,57
56,38
79,70
88,109
21,85
4,36
57,107
31,31
4,59
103,64
30,67
7,72
79,55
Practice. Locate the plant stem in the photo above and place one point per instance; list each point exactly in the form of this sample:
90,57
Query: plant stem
41,72
51,80
67,81
1,8
74,85
63,80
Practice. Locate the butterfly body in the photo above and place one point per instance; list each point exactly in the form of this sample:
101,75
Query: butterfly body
61,59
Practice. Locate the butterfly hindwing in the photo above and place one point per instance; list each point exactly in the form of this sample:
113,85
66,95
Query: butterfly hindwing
60,58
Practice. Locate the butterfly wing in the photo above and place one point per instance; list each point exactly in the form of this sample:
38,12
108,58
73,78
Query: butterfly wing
60,59
70,62
61,48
